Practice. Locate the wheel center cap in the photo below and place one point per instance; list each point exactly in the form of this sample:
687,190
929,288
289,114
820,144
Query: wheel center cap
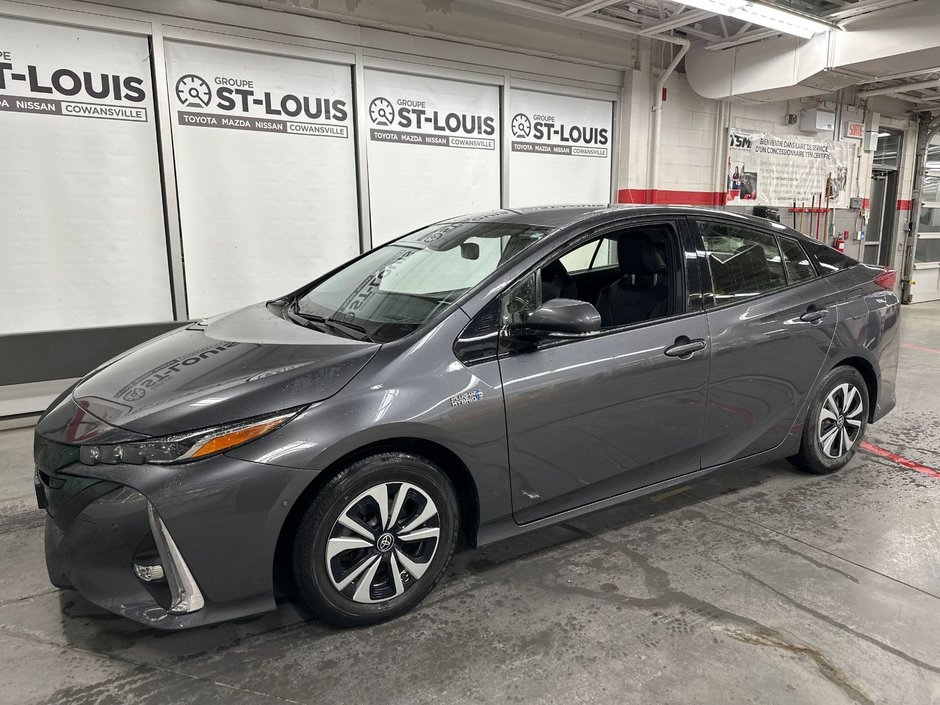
385,543
841,422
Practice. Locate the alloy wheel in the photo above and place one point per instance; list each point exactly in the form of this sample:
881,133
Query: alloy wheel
382,542
840,420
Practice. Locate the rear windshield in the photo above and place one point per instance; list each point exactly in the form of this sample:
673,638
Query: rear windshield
828,259
395,289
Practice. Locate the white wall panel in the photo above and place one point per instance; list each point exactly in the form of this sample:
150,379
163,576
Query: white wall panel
560,149
433,150
265,166
82,235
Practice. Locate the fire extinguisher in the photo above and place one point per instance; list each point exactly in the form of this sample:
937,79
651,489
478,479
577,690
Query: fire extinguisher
839,244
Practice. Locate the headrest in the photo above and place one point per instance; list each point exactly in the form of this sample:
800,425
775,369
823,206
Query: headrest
553,271
636,254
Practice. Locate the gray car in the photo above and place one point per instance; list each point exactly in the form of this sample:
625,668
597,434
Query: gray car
480,377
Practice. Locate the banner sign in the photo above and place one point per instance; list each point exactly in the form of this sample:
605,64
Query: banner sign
248,106
765,169
266,168
560,149
432,150
84,238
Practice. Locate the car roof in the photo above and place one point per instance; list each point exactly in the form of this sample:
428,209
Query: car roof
563,215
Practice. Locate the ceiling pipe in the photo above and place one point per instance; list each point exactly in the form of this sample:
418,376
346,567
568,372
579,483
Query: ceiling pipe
588,7
596,21
658,118
676,21
863,7
934,83
754,36
904,74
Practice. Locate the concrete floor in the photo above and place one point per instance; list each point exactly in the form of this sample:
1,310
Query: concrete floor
757,586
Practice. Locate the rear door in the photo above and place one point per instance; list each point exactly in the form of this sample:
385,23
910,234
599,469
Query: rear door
594,417
771,320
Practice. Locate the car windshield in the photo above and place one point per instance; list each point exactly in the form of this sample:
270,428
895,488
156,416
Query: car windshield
395,289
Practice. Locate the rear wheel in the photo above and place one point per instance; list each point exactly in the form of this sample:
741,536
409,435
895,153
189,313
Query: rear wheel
376,539
835,423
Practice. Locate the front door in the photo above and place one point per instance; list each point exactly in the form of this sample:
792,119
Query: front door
594,417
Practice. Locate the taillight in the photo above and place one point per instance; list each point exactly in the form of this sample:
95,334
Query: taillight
887,279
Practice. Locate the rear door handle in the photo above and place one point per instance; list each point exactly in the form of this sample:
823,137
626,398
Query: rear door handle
684,347
814,315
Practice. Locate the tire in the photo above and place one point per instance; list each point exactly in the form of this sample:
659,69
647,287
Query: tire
835,423
358,563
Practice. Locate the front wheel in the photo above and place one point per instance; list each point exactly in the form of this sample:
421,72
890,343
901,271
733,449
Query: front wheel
376,539
835,423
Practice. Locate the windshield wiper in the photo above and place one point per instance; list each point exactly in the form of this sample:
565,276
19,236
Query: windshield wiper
330,323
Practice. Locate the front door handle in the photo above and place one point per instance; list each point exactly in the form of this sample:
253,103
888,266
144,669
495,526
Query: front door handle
684,347
814,315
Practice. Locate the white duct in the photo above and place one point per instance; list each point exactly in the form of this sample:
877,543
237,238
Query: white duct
901,39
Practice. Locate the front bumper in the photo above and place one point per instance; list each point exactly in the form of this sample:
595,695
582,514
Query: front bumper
212,525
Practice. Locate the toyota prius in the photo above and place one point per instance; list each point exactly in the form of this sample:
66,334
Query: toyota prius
480,377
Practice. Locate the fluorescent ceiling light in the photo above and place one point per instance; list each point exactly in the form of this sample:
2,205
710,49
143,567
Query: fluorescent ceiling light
763,15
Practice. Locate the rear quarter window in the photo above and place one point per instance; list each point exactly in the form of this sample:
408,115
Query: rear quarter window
828,259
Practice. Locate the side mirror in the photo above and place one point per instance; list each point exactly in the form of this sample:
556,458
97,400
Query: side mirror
560,318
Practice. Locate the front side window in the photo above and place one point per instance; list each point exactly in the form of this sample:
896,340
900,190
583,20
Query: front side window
395,289
631,276
744,263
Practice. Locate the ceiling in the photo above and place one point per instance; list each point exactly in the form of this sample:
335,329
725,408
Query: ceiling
667,19
655,17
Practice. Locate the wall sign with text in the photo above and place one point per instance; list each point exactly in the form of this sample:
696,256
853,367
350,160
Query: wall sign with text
266,167
433,150
560,149
84,237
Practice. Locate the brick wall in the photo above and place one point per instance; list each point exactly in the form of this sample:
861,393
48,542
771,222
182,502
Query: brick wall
693,153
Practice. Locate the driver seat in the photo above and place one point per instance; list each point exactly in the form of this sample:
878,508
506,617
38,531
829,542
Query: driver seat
642,292
557,283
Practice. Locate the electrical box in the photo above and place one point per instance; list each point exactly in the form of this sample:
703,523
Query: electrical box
855,203
816,120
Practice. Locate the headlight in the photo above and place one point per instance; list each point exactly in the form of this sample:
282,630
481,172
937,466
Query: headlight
184,447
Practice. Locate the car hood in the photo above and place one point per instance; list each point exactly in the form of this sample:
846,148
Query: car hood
235,366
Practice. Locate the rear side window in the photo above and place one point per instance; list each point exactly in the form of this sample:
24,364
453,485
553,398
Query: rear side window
828,259
591,255
799,268
744,263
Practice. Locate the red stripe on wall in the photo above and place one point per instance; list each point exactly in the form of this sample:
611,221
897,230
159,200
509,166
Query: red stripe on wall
700,198
672,198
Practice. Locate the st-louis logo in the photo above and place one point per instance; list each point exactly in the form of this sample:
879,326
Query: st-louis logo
521,125
381,112
193,91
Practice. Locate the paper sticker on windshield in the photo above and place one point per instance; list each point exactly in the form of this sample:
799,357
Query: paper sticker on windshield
466,398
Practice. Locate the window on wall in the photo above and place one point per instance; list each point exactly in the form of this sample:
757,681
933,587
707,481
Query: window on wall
744,263
888,151
927,250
